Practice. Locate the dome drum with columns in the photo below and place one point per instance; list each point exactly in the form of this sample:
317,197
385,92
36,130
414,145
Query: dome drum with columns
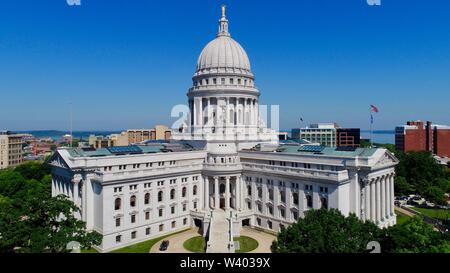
224,101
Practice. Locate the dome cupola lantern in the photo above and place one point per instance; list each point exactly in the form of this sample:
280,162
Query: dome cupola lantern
223,24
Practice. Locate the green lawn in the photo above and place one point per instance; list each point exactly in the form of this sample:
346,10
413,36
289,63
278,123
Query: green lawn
143,247
195,244
90,250
440,214
247,244
401,218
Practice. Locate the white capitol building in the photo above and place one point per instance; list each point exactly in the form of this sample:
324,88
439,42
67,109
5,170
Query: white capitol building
223,169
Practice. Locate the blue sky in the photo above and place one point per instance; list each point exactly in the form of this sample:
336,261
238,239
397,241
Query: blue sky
124,64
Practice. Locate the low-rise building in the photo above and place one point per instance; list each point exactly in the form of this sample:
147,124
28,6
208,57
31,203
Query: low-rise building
323,133
160,132
420,136
348,137
11,149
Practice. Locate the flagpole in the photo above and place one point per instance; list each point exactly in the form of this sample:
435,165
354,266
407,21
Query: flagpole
371,121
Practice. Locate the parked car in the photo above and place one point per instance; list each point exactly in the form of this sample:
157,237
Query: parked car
164,245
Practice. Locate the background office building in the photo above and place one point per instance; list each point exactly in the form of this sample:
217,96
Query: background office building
160,132
348,137
11,149
131,136
323,133
417,136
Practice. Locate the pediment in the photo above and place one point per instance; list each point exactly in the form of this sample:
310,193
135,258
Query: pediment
58,161
386,159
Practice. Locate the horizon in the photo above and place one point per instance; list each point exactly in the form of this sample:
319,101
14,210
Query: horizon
127,65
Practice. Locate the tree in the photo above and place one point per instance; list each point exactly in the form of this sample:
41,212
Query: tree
326,231
33,170
33,221
435,195
402,187
415,236
421,171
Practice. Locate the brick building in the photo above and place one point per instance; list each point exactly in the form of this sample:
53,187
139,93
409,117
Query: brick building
420,136
348,137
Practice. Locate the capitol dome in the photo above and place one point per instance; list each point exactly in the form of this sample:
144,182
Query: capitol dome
223,54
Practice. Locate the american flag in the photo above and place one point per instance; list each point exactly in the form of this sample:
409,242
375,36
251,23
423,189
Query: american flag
373,109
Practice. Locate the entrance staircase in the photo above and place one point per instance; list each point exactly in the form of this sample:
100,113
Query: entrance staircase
220,233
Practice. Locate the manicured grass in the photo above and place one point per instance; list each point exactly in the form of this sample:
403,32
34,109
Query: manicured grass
440,214
144,247
90,250
247,244
195,244
401,218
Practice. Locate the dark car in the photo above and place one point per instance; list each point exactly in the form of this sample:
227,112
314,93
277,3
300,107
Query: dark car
164,245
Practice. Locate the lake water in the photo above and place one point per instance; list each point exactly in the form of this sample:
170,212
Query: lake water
382,136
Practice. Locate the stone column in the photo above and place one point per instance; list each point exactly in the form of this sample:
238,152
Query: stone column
391,200
194,111
367,197
216,192
237,191
378,200
372,200
227,192
243,191
288,197
75,191
383,198
257,112
200,116
206,193
244,112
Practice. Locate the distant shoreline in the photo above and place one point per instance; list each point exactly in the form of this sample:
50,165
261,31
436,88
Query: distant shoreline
379,136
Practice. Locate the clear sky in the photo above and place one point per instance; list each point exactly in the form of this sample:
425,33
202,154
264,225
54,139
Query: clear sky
124,64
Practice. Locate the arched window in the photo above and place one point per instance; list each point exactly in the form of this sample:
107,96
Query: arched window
324,202
133,201
147,198
172,194
183,192
160,196
117,204
309,201
295,198
194,190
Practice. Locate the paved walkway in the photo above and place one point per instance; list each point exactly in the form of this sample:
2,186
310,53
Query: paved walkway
176,242
406,212
220,232
264,239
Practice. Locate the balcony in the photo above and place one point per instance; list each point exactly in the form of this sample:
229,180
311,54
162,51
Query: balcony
310,173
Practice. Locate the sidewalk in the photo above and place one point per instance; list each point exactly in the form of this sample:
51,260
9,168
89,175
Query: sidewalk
176,242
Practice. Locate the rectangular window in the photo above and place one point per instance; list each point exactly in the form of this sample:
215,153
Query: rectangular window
133,218
184,221
147,231
118,238
172,210
147,215
160,212
117,222
133,235
161,227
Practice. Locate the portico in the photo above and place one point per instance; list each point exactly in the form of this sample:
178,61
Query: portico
222,192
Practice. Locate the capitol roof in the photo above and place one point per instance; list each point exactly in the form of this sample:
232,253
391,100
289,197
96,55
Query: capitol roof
146,148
